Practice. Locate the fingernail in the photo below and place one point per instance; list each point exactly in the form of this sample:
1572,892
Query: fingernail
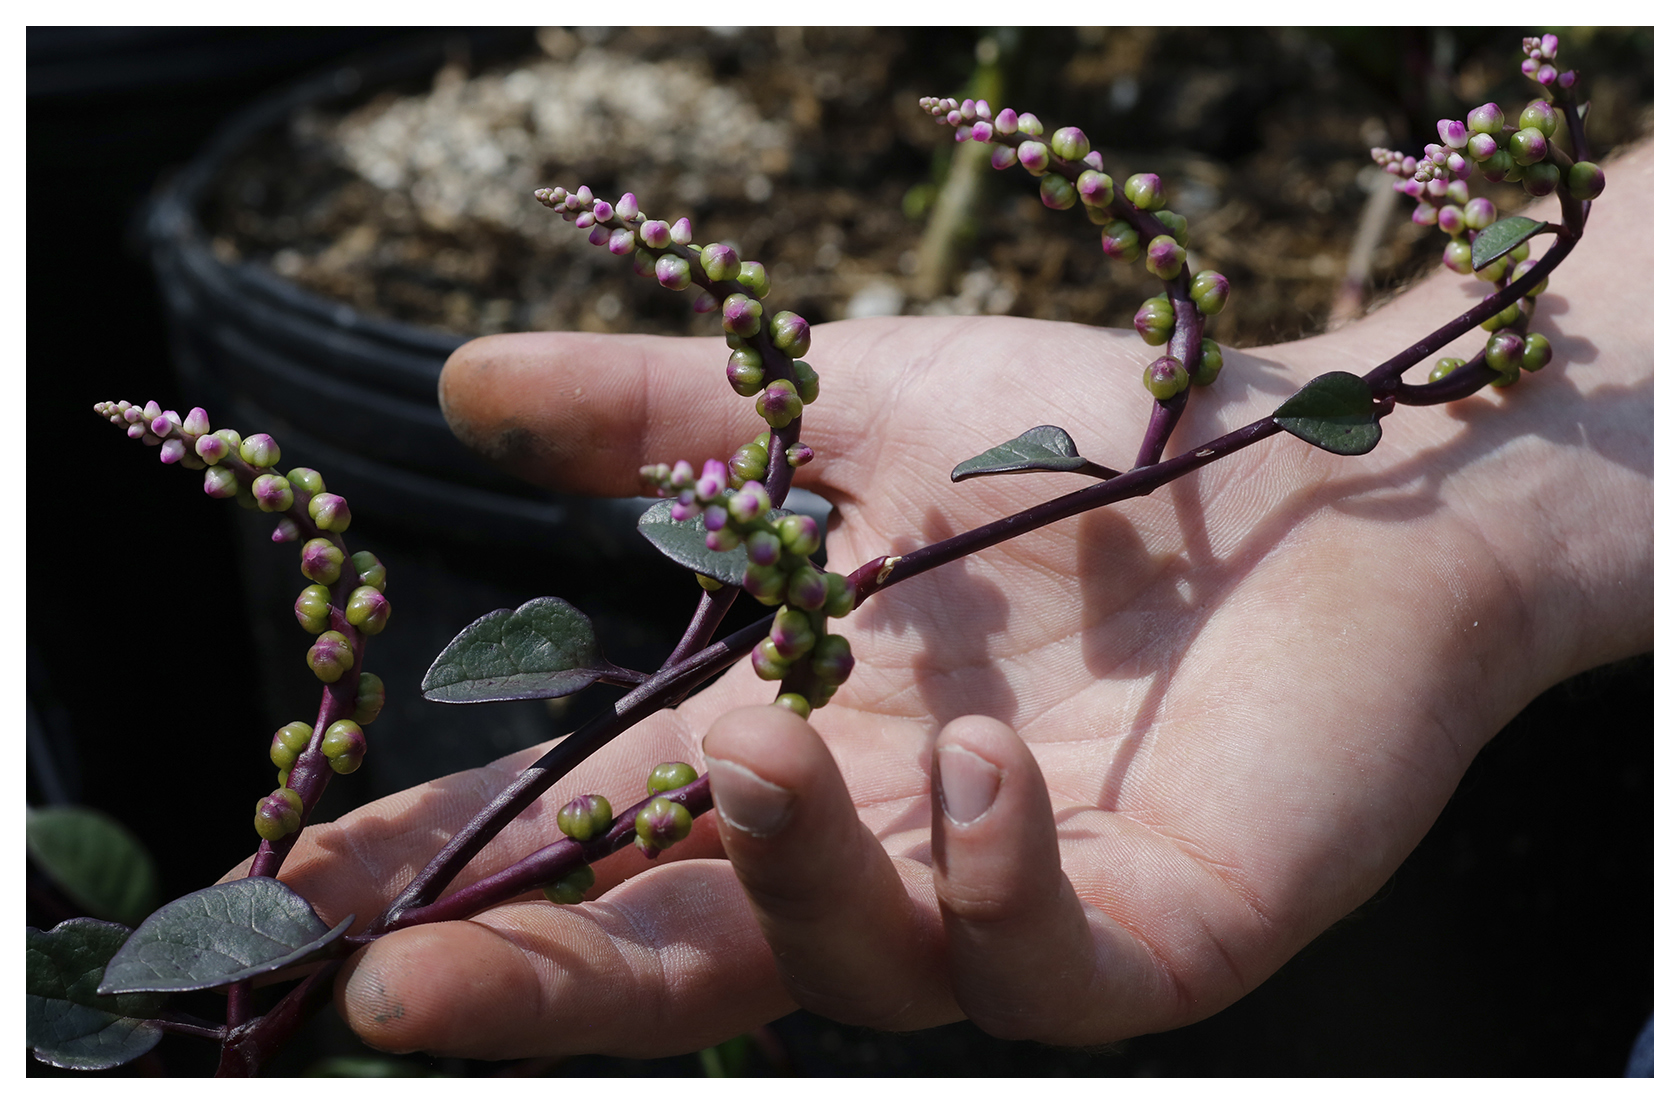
967,784
747,802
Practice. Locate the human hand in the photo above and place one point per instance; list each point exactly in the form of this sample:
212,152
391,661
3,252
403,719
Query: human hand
1215,719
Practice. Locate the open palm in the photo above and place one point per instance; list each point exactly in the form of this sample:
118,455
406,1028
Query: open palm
1108,776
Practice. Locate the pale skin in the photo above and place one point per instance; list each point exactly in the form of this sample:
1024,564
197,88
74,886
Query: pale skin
1098,781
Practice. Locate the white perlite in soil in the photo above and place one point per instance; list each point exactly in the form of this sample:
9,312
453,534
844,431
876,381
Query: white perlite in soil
476,149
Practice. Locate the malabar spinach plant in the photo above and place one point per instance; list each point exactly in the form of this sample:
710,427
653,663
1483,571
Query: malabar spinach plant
98,992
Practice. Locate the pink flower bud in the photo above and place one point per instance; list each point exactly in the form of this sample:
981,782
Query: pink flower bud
621,242
953,117
981,131
585,196
1035,157
603,210
964,133
982,109
197,422
285,530
1566,79
1006,121
682,231
967,109
705,302
600,235
172,450
627,208
1530,66
586,220
1003,157
1546,74
1548,46
1454,134
1424,214
714,477
656,234
1482,146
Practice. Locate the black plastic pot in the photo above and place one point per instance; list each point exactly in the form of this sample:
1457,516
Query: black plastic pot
356,398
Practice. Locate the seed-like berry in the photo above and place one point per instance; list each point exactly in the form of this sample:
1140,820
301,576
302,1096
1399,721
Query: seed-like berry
662,822
1586,180
288,743
273,493
1445,367
1070,144
1210,291
330,512
1164,257
1057,192
805,382
259,451
1537,352
1121,242
571,889
1504,352
313,608
1212,360
330,656
1144,191
344,745
370,698
368,610
780,404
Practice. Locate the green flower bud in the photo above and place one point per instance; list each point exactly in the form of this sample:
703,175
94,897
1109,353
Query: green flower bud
1165,378
1057,192
1541,179
1520,271
1096,189
571,889
794,703
707,582
1520,253
1164,257
1213,359
767,583
790,333
780,404
584,817
1540,115
370,698
330,656
1456,257
1499,166
273,493
670,776
662,822
344,745
768,663
805,382
321,560
1445,367
745,372
806,588
1586,180
791,633
279,815
329,512
313,608
1210,291
1504,352
1506,317
831,659
307,480
1177,225
289,742
220,483
369,571
1027,123
259,451
368,610
842,595
1144,191
1121,242
720,261
753,277
1070,144
799,534
1494,271
1527,146
1537,352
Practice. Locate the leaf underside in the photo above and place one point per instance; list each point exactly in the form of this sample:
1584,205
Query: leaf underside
1336,412
98,863
685,543
67,1022
544,649
1041,448
220,935
1500,238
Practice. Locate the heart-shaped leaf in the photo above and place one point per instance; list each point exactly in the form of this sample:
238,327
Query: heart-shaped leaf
685,542
1041,448
227,933
98,863
68,1023
544,649
1500,238
1336,412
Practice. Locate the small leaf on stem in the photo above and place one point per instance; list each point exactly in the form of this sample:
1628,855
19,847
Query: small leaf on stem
68,1023
544,649
217,936
1041,448
1500,238
98,863
685,542
1336,412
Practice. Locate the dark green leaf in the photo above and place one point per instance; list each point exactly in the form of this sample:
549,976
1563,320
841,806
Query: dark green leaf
98,863
69,1024
217,936
1041,448
1500,238
685,542
1336,412
544,649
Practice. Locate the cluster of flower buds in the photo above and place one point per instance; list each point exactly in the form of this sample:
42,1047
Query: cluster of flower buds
341,607
1539,53
1133,216
764,354
811,662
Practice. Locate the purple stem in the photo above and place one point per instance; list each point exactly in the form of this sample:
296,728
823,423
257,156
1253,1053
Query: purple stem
549,864
247,1046
658,692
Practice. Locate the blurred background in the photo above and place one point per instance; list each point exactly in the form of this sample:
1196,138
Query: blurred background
293,227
